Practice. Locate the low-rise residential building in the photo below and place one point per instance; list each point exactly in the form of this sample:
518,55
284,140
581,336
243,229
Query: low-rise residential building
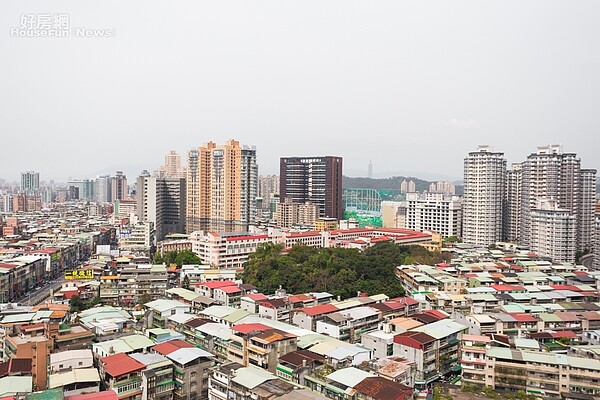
233,381
140,282
539,373
76,381
380,341
378,388
191,368
36,348
259,345
157,377
308,317
434,348
125,344
296,365
473,359
122,374
70,360
349,325
159,310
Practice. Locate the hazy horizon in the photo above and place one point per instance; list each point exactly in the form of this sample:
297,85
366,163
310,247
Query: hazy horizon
412,86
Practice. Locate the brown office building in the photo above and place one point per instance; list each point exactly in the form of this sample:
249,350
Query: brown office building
313,179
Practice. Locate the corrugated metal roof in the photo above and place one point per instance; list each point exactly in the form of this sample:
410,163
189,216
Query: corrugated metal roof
163,305
349,377
15,384
79,375
250,377
185,355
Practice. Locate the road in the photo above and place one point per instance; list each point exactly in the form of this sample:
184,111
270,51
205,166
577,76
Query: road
587,261
37,296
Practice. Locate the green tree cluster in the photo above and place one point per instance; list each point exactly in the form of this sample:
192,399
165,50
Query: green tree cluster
341,272
77,304
176,257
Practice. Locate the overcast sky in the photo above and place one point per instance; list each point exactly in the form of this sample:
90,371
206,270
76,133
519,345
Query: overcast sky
414,86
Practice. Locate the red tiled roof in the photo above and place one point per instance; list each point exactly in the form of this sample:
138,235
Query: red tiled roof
230,289
581,273
33,327
320,309
590,315
170,346
216,284
297,298
419,337
247,328
507,288
380,239
566,287
409,301
437,313
522,317
256,296
232,239
105,395
305,234
567,316
121,364
7,266
383,389
562,334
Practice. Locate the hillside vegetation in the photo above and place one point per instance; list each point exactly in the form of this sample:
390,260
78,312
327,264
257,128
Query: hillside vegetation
341,272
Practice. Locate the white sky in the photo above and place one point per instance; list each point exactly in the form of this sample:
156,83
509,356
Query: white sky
412,85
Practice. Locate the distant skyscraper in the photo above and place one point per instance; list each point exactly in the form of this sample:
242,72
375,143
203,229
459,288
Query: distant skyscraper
436,212
412,187
484,186
403,186
551,175
552,231
85,188
597,242
30,181
313,179
172,166
119,186
222,185
268,186
161,200
370,169
103,189
512,203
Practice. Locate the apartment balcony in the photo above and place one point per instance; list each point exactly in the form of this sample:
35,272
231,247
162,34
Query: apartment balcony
510,371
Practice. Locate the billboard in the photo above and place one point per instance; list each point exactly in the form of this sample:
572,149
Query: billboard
79,274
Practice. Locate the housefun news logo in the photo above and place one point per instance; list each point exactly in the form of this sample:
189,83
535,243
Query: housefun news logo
54,26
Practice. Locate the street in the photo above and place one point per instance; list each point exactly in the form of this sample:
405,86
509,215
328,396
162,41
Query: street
37,296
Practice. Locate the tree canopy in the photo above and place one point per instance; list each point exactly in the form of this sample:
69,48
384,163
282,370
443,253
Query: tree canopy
341,272
180,258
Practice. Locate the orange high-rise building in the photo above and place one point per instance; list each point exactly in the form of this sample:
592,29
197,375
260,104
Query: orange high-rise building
221,187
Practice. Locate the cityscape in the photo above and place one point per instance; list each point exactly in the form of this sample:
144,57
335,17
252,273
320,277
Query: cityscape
300,200
205,279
